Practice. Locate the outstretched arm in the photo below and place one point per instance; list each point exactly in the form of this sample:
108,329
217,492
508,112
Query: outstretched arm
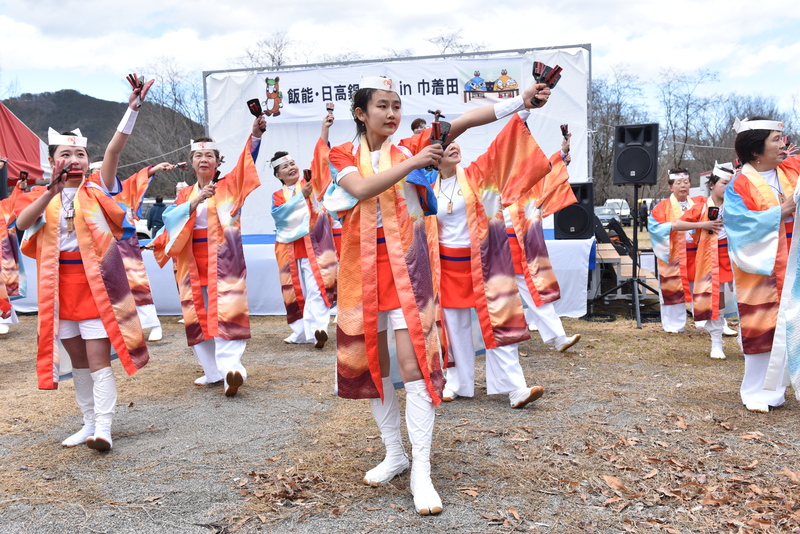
486,114
111,159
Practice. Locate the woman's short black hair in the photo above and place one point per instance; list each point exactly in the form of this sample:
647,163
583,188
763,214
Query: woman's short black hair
277,155
749,144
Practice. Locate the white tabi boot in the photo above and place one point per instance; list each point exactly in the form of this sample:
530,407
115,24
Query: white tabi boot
387,417
715,328
420,413
156,334
84,395
105,399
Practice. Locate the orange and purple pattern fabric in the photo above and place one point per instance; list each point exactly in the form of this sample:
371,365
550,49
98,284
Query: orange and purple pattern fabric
10,277
670,250
227,316
759,240
496,179
99,221
310,221
549,195
402,211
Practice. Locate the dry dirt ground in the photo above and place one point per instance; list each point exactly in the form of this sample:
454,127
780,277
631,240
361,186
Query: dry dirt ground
638,431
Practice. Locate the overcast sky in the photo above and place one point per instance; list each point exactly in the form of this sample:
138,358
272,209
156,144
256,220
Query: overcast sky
48,45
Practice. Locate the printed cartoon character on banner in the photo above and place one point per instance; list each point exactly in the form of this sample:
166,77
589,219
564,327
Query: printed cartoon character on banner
274,101
476,84
505,83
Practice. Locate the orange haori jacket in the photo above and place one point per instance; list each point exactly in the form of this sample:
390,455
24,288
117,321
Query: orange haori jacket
669,247
496,179
99,220
758,244
227,316
131,196
12,280
307,220
403,207
706,290
545,198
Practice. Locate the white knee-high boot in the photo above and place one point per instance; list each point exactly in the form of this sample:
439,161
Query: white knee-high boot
105,398
387,416
715,327
420,413
84,396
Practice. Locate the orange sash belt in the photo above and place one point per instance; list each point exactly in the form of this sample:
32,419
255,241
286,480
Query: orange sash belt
725,271
516,251
691,257
457,289
75,301
387,291
300,248
200,251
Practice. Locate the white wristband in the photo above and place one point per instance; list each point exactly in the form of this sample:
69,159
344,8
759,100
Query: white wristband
504,109
127,122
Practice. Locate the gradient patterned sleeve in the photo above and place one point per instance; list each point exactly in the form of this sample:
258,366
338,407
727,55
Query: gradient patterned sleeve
752,235
659,227
292,217
512,165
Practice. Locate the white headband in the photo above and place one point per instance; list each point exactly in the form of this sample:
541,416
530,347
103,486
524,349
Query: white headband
280,160
376,82
56,139
721,171
679,175
202,145
740,126
94,166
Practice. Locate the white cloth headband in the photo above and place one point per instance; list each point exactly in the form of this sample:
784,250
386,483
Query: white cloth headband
740,126
280,160
202,145
679,175
376,82
721,171
56,139
94,166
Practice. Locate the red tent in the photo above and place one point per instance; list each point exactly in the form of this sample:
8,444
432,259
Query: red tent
23,149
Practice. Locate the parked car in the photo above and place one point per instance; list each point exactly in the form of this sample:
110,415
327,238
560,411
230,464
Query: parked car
141,225
623,211
605,215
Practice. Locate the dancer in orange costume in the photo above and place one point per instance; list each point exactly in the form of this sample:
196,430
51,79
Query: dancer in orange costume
70,228
385,274
759,220
202,234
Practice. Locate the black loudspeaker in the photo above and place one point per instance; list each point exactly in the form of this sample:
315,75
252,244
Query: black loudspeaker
636,154
576,221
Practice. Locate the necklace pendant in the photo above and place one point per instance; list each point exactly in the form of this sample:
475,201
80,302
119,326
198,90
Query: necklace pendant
449,207
70,225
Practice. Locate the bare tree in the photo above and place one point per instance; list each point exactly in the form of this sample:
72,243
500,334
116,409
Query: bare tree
684,113
449,41
270,51
175,115
614,101
10,89
399,52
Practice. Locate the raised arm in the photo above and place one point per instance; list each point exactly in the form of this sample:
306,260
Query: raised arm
111,158
486,114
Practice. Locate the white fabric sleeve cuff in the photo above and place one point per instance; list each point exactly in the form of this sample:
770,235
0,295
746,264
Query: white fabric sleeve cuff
506,108
344,172
127,122
524,114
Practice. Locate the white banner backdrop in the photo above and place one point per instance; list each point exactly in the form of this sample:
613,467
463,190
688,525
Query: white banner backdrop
450,85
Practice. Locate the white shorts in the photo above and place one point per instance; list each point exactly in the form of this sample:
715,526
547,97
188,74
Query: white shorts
88,329
391,317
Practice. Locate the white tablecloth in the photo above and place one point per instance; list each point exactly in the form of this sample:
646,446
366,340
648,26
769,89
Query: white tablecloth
570,260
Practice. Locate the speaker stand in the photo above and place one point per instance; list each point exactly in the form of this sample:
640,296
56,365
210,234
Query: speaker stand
634,282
